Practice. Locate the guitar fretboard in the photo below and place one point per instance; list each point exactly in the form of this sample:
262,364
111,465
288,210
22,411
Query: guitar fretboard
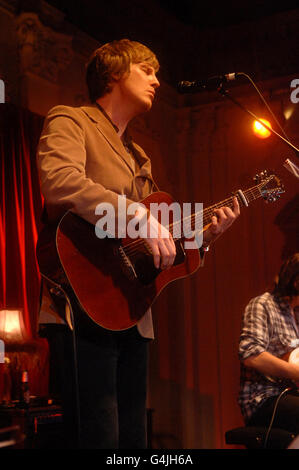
250,195
244,198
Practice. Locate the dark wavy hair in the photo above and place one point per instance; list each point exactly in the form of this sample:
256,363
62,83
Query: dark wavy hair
111,61
288,274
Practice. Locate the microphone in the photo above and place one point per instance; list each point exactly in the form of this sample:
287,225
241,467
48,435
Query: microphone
212,83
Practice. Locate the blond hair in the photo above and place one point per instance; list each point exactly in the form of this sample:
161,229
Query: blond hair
111,61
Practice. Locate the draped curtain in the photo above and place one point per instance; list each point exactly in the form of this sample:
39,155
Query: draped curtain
20,212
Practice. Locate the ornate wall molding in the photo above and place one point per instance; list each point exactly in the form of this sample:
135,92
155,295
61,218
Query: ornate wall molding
42,51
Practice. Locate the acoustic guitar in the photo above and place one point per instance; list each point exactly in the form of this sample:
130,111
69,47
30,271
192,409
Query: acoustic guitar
115,280
293,358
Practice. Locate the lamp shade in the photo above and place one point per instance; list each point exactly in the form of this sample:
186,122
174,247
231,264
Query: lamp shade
12,328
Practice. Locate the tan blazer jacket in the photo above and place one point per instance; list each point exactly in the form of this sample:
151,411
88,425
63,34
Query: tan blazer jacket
83,162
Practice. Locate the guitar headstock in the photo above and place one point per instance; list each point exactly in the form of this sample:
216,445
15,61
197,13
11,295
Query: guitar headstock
269,186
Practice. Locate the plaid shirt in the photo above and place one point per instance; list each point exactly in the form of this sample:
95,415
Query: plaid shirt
268,325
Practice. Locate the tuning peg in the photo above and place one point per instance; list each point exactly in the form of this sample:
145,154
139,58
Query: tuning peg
259,177
256,178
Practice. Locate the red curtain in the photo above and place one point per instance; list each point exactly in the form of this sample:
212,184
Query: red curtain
20,212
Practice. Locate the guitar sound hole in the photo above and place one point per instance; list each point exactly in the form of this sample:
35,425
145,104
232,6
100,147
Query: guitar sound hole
144,265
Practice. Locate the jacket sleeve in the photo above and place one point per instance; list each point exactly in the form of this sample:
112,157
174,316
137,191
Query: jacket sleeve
61,162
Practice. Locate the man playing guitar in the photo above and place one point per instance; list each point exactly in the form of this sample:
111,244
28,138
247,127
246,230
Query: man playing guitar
85,158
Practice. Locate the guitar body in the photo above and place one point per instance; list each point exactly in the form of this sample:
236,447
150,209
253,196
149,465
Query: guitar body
293,358
114,290
115,280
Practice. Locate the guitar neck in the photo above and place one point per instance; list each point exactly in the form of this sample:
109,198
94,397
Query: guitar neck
244,198
193,221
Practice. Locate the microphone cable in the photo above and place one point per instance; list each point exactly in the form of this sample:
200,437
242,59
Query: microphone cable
75,365
288,389
58,290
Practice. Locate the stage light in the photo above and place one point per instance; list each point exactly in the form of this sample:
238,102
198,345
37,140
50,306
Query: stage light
261,131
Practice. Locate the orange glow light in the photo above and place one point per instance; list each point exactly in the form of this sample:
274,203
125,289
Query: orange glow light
261,131
12,325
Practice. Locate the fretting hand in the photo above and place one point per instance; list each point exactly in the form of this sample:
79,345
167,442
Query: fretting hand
222,219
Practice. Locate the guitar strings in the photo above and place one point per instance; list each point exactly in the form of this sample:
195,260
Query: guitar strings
130,249
251,194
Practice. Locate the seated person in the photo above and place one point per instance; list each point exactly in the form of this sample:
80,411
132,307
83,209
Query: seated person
270,331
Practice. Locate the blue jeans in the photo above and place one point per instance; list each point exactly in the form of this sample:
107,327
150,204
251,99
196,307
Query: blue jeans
111,367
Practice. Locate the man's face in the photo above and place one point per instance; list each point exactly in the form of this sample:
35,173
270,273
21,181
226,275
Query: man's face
137,89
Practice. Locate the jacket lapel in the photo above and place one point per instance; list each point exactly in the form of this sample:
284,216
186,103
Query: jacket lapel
109,132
